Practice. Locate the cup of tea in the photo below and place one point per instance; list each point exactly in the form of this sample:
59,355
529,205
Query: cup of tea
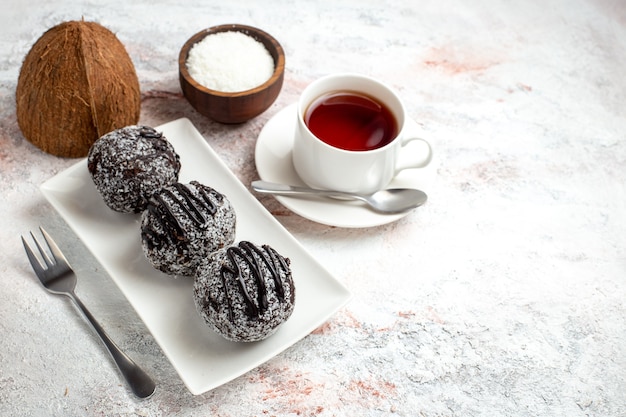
350,135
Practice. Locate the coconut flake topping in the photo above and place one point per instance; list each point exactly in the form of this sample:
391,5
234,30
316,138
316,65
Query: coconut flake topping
230,62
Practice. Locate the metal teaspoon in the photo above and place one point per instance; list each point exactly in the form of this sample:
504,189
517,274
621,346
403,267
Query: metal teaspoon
393,200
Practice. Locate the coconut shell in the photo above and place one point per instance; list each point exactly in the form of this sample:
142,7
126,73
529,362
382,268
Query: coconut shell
76,84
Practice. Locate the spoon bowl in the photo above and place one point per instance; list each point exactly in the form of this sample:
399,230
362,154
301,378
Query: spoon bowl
390,201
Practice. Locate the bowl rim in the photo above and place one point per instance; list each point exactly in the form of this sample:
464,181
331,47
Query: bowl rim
254,32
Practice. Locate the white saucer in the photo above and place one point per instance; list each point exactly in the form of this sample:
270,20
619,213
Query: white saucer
273,163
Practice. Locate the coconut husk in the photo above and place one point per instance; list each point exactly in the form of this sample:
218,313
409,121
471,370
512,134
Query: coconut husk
76,84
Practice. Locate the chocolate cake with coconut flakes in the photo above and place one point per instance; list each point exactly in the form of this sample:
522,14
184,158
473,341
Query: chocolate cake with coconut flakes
130,164
245,292
183,224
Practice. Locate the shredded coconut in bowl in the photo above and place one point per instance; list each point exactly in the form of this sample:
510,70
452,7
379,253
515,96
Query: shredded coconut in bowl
230,62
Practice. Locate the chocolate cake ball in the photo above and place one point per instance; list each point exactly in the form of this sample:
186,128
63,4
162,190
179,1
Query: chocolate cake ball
244,292
130,164
183,224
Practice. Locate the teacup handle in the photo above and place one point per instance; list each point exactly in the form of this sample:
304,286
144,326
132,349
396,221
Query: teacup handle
408,159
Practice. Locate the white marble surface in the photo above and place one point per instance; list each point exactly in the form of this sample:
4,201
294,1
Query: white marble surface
504,295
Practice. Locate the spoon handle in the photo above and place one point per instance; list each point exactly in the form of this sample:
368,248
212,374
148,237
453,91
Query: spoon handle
283,189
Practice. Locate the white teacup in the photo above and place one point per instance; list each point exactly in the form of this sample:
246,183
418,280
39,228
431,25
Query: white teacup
321,165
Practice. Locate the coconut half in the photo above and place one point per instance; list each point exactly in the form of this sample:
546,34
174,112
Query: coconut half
76,84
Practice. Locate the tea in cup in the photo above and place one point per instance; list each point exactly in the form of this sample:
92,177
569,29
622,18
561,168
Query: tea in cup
350,135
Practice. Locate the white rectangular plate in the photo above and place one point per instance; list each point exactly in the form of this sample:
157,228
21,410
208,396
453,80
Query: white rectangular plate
202,358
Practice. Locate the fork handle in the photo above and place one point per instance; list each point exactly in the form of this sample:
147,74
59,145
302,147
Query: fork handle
140,382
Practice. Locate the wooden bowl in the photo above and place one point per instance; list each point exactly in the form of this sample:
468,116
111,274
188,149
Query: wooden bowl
233,107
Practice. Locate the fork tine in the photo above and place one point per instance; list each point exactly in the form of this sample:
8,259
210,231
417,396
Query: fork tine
54,249
42,252
34,261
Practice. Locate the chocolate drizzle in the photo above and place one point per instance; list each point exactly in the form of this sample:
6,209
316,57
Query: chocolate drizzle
193,206
245,252
148,132
161,145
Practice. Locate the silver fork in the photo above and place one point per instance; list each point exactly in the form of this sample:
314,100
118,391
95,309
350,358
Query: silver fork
58,278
